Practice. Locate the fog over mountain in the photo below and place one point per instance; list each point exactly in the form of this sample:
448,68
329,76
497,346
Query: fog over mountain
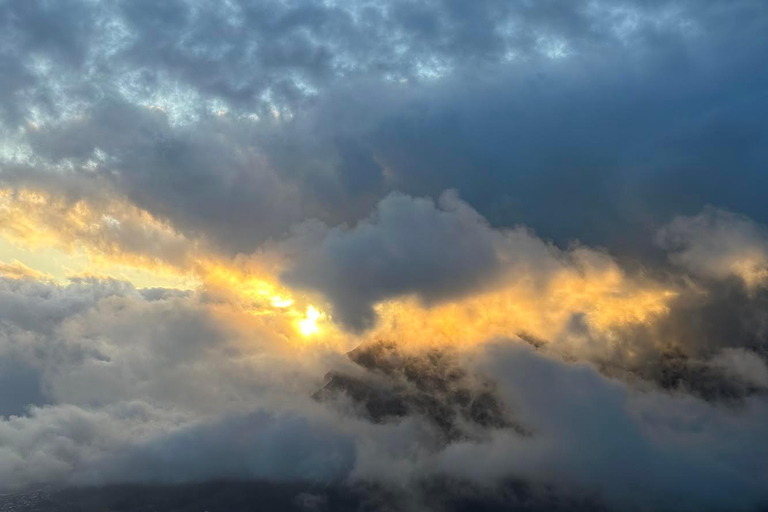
377,255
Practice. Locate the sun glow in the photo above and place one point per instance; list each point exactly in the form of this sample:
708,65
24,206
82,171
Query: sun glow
308,325
281,302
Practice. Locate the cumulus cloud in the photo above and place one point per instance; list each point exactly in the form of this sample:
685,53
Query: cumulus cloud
407,246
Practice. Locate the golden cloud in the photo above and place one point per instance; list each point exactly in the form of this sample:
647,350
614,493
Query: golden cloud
247,292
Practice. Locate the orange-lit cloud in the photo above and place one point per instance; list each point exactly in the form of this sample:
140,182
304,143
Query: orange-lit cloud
247,290
112,238
608,299
104,237
17,270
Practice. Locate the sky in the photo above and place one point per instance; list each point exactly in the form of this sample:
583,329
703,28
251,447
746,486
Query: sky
206,204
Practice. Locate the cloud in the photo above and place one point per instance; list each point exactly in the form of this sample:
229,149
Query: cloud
51,442
262,54
471,282
638,450
103,372
260,445
407,246
97,342
18,270
287,161
718,244
162,104
103,227
142,386
744,364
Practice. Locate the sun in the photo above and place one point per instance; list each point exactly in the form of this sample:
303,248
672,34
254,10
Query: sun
308,325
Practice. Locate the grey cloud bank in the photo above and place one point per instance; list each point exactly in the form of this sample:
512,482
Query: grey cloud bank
648,106
644,450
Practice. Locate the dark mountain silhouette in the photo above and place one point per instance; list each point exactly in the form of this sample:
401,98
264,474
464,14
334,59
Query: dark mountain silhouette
396,383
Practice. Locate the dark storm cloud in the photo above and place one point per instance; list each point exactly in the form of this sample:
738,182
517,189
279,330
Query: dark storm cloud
604,115
210,181
239,50
594,152
597,145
